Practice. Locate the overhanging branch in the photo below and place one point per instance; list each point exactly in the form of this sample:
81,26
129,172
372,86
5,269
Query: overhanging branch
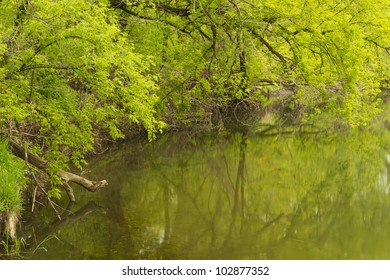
268,46
66,177
122,6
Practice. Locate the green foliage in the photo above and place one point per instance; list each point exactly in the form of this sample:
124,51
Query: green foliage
54,192
78,57
12,248
13,181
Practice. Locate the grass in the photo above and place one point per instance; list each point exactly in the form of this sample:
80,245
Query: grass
12,183
12,180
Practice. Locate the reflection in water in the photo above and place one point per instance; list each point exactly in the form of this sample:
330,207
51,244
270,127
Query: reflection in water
40,234
236,196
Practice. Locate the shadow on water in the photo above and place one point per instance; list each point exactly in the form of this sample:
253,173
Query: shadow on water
232,195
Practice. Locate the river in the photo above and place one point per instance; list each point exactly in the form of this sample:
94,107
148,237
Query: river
228,195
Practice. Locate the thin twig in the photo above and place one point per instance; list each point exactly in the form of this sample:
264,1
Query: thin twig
33,198
48,198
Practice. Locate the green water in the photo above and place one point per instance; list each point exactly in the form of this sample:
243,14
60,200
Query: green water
231,195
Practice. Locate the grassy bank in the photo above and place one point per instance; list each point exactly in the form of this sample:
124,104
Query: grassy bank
12,183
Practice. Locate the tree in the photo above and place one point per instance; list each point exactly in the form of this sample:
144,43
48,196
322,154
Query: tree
329,56
68,76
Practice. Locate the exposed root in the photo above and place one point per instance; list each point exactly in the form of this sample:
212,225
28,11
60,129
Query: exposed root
12,221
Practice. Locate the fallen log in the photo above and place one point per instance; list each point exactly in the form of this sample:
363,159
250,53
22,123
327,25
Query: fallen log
66,177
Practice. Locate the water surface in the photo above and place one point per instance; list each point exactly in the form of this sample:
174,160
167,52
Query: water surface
229,195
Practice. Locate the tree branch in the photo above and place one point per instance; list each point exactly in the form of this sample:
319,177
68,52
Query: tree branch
66,177
268,46
122,6
38,66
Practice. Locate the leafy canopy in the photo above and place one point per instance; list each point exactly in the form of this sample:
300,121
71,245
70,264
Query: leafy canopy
67,72
329,55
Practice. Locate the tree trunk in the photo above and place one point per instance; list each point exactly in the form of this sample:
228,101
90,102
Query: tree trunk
67,177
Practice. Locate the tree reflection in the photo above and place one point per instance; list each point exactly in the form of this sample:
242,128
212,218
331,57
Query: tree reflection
244,196
39,235
293,204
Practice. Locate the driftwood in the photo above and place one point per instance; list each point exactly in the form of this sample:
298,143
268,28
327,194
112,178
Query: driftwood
66,177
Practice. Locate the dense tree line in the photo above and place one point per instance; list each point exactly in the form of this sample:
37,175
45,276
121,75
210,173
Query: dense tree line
324,55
